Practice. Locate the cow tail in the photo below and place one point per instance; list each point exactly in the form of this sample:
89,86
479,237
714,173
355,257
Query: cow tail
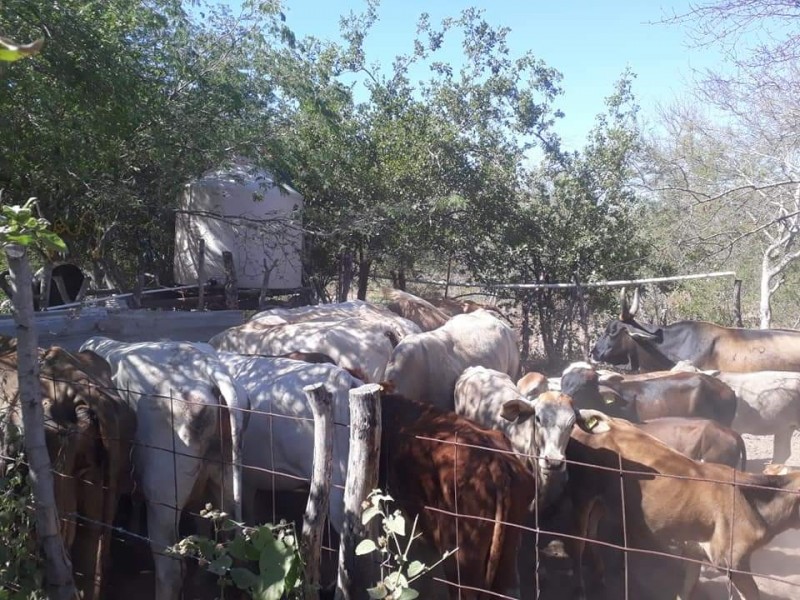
502,509
742,451
237,403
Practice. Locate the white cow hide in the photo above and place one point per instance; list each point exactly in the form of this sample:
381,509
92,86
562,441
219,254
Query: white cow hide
353,343
425,366
338,312
280,434
176,390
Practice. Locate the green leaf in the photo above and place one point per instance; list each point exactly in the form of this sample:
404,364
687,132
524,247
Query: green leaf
396,580
415,568
244,579
378,592
408,594
395,523
369,514
220,565
365,547
238,549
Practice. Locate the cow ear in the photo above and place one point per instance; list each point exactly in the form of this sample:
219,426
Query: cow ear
516,410
638,334
593,421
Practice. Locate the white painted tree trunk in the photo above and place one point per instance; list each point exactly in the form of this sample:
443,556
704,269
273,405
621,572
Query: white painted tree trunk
58,569
765,297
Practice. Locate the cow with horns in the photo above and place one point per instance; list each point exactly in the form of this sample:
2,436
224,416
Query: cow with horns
650,347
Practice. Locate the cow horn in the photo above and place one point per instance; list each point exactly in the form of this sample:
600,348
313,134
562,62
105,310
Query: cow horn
625,314
635,306
642,335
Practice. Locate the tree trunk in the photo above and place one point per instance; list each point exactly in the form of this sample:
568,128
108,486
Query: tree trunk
363,278
345,277
765,302
526,327
58,569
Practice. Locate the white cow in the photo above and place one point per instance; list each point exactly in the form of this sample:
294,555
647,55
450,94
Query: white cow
364,346
767,403
425,366
337,312
273,442
536,428
177,391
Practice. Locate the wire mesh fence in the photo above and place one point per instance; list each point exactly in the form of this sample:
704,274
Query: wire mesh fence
747,506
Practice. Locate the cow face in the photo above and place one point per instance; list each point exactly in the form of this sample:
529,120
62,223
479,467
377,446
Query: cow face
581,382
546,422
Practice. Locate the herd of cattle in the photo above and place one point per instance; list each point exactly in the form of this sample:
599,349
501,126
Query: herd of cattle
179,424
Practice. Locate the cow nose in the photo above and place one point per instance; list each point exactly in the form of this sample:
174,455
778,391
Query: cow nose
554,463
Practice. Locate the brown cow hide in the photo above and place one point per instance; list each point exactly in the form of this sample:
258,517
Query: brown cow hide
89,430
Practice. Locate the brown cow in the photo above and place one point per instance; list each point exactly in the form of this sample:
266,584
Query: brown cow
415,309
532,384
699,439
670,498
89,430
652,395
650,347
427,469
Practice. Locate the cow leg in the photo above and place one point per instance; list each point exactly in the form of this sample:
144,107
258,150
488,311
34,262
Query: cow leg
744,583
782,445
161,525
691,573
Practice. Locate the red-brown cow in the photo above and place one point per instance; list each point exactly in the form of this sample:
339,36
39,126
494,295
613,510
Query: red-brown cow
427,469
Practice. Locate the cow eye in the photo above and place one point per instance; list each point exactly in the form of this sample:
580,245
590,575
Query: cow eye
538,420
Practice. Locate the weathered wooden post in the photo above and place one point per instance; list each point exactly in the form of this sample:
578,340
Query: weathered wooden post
356,574
201,275
231,285
321,402
138,287
45,283
263,294
737,303
58,569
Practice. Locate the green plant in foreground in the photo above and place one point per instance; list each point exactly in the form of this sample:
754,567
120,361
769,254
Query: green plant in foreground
398,572
264,561
21,574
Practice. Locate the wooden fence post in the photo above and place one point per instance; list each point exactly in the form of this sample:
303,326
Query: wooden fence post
58,569
45,283
138,287
737,303
356,574
264,293
231,284
201,275
321,402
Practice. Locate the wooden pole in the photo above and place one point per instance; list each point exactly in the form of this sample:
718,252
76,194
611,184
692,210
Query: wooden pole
45,283
321,402
136,299
231,285
62,289
263,294
58,569
201,275
356,574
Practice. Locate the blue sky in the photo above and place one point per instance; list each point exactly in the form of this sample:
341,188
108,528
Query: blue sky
590,42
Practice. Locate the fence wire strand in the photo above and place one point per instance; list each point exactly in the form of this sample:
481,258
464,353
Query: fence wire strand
539,529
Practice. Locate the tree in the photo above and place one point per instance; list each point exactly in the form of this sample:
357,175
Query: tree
109,167
733,170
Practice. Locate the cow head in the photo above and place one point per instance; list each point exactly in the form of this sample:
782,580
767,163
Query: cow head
547,423
625,341
581,382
